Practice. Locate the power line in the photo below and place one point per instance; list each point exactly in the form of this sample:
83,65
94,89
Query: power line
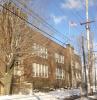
45,21
35,26
33,13
41,39
76,13
32,24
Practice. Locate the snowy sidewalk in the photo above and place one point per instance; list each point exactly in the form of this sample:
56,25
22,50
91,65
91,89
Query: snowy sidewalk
59,94
94,97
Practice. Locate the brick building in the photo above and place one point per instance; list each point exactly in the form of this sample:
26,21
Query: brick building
40,62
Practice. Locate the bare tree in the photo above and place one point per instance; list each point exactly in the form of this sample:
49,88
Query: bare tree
15,41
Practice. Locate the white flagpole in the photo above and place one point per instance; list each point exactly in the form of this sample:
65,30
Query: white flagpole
69,27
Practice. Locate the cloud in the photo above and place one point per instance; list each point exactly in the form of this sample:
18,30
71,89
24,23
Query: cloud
76,4
92,2
71,4
58,19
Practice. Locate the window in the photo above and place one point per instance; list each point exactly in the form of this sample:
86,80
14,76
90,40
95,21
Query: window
59,58
40,50
59,73
77,66
40,70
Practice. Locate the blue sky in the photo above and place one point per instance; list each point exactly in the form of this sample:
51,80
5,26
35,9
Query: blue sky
59,13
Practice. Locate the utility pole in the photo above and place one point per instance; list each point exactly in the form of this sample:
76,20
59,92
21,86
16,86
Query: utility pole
87,26
95,78
84,73
95,70
89,67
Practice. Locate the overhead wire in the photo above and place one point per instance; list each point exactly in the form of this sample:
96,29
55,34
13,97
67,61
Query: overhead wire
32,24
77,16
7,9
42,31
44,21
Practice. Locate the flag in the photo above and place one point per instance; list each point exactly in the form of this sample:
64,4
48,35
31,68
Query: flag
72,23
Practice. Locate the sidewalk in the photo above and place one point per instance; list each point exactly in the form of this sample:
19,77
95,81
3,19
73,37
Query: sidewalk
94,97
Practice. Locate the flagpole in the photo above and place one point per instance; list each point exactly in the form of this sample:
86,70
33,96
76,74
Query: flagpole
69,27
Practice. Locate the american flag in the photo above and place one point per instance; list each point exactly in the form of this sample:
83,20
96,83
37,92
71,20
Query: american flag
72,23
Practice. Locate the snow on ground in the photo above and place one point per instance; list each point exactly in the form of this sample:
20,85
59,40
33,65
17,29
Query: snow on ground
58,94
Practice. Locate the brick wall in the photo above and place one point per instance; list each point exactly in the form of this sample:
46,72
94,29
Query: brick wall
28,36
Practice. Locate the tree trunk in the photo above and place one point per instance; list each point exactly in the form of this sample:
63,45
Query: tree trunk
8,82
7,79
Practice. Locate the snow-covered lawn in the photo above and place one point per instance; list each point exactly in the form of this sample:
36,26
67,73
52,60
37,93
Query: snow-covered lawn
58,94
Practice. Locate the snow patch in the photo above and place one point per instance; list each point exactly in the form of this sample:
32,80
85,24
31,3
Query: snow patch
59,94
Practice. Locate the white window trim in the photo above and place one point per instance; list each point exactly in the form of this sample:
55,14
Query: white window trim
58,74
40,50
40,70
59,58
